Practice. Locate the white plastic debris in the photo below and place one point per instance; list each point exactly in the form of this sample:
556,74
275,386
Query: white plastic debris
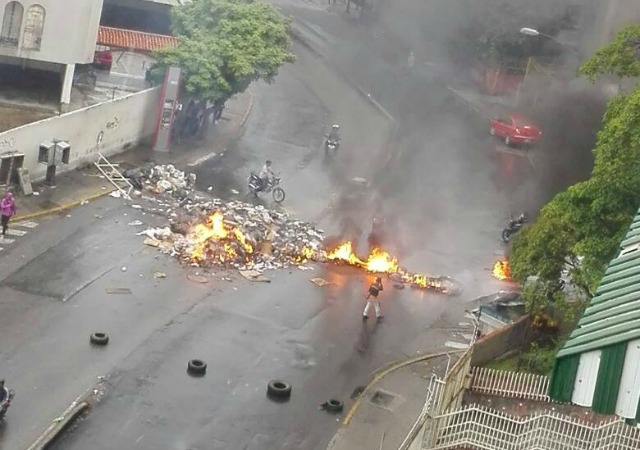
115,194
135,223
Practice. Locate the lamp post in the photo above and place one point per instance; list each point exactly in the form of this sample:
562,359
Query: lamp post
533,32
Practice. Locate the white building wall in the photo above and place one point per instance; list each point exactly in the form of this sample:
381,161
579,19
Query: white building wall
69,33
107,127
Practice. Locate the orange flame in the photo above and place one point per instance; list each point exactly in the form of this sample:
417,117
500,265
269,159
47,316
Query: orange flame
344,253
378,261
216,231
501,270
381,262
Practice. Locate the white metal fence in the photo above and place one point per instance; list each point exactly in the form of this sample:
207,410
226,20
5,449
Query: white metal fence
525,386
481,428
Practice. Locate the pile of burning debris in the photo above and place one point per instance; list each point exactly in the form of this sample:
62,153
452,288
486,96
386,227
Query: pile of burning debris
237,235
212,233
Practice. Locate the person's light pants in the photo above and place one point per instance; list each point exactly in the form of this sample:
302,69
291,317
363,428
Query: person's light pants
376,305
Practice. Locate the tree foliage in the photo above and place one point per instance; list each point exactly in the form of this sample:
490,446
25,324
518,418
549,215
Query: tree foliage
492,35
580,229
225,45
620,57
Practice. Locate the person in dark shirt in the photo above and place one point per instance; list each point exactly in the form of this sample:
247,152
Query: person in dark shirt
372,299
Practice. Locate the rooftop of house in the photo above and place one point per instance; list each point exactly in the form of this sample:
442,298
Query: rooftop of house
134,40
613,315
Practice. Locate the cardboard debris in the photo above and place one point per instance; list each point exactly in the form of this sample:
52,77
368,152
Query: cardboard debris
321,282
151,242
254,275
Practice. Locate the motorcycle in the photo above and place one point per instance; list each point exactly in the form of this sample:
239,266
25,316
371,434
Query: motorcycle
513,227
331,147
4,406
255,186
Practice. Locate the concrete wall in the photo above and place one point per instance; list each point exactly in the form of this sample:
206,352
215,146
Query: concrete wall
107,128
69,35
496,344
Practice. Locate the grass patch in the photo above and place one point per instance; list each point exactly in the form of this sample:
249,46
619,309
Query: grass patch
510,364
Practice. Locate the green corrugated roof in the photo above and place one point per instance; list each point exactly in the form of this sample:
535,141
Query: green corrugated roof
613,315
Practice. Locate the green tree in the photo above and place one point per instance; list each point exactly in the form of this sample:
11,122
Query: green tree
619,57
581,229
224,46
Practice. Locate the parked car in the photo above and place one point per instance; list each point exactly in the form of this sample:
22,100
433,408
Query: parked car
515,129
102,58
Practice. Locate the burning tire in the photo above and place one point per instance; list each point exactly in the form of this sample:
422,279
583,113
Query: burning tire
197,367
278,389
99,338
278,195
334,406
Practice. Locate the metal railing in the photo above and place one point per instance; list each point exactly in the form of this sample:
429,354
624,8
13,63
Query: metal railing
525,386
482,428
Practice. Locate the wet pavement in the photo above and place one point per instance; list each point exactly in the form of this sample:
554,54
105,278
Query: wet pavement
445,193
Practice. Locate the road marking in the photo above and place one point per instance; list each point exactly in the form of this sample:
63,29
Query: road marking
26,224
464,324
1,249
467,336
4,240
458,345
12,232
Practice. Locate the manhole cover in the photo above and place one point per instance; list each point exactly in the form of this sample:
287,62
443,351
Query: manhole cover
383,399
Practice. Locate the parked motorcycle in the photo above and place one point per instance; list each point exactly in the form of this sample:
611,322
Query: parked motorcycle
331,147
4,406
513,227
273,186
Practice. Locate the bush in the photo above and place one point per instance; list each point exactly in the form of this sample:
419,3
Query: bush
538,360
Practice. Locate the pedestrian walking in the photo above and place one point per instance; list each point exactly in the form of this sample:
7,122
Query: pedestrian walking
7,210
372,299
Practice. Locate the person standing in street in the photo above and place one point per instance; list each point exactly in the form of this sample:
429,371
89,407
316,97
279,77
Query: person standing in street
7,210
372,299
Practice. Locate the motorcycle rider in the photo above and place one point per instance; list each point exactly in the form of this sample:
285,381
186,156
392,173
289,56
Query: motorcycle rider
266,175
334,134
3,392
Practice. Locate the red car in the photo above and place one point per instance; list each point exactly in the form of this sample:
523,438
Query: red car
515,129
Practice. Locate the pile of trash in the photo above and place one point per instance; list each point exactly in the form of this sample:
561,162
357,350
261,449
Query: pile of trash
236,235
162,178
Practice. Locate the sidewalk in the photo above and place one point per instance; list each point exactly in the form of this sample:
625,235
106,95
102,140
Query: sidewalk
390,407
79,186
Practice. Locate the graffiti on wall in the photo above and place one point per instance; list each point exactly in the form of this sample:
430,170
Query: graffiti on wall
113,123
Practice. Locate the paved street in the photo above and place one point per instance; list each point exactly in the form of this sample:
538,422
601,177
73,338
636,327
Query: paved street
440,184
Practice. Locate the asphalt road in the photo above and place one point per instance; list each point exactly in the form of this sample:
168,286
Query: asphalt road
444,194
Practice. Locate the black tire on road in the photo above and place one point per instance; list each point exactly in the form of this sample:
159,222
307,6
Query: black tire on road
99,338
492,131
507,141
334,405
278,195
279,389
197,367
506,236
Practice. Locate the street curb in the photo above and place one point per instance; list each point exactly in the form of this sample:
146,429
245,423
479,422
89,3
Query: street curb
249,108
64,207
297,35
60,424
383,372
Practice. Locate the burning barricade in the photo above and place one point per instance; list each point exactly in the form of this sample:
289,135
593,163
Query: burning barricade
381,262
239,235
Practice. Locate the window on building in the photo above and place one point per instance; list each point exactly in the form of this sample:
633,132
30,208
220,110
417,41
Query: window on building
33,28
11,23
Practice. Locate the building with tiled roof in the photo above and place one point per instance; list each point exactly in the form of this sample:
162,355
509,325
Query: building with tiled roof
599,365
133,40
